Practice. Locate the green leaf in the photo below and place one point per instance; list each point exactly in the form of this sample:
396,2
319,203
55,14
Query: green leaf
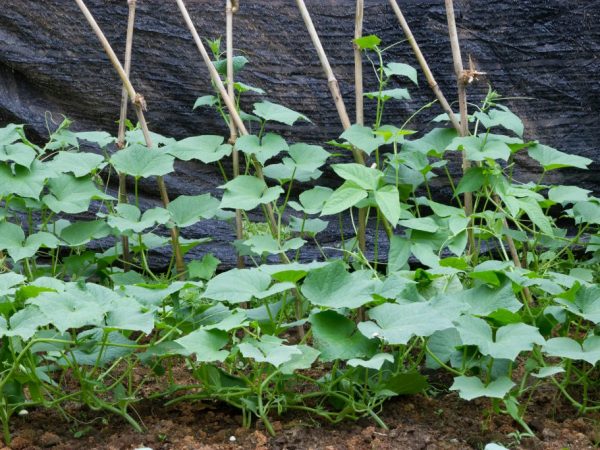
401,70
72,195
300,361
479,148
484,300
336,337
388,202
204,269
369,42
312,201
186,210
332,286
501,116
397,324
588,212
398,254
129,218
270,145
11,235
137,137
472,387
510,339
471,181
239,62
261,244
427,224
24,182
79,164
388,94
552,159
409,383
564,347
80,233
359,174
10,133
19,153
243,87
205,100
141,162
247,192
277,113
127,314
102,138
362,138
586,303
375,363
344,197
303,164
71,309
207,149
435,142
568,194
532,208
205,344
269,349
238,285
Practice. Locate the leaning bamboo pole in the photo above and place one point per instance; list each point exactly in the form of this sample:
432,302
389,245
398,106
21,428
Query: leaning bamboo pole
139,105
122,120
338,100
358,66
230,8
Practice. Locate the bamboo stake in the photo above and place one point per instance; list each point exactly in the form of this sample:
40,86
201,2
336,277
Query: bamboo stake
424,66
334,88
360,111
139,105
122,119
229,103
230,8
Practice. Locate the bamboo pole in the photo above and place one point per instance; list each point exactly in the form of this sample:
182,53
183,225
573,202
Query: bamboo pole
122,119
229,103
139,105
424,66
230,8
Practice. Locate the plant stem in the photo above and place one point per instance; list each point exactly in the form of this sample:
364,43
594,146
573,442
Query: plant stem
139,105
122,120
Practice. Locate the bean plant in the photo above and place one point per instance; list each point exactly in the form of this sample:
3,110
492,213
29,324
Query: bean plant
335,337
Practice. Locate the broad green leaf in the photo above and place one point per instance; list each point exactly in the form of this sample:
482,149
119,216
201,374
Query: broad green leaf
141,162
72,195
264,149
388,202
247,192
427,224
186,210
586,212
408,383
72,309
398,254
79,164
24,182
375,363
25,322
401,70
261,244
479,148
137,137
10,133
344,197
334,287
127,314
207,149
471,181
9,280
501,116
359,174
435,142
130,218
443,345
303,165
19,153
205,268
510,339
269,349
300,361
205,100
312,201
564,347
397,324
586,303
102,138
237,285
568,194
336,337
472,387
80,233
205,344
369,42
388,94
363,138
277,113
239,62
535,213
243,87
11,235
483,299
552,159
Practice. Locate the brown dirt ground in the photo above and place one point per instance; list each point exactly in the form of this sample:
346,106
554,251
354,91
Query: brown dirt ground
417,422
